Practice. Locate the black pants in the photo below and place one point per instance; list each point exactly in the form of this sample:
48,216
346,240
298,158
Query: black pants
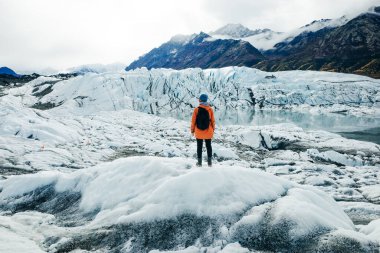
208,147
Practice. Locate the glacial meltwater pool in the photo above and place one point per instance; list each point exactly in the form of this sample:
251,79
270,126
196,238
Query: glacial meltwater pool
365,128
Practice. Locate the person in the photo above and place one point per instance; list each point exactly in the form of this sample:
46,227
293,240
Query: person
203,126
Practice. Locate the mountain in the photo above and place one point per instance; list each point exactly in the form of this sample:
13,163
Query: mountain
8,71
262,39
8,78
237,31
199,50
353,47
346,44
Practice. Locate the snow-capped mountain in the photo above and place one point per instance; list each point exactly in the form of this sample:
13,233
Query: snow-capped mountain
199,50
101,169
346,44
237,31
266,39
315,26
262,39
351,47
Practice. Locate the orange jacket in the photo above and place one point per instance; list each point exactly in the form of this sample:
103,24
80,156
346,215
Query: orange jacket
203,134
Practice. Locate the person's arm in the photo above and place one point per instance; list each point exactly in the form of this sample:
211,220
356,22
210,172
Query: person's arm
212,119
193,119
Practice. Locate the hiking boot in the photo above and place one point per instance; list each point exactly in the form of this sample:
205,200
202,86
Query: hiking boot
209,162
199,163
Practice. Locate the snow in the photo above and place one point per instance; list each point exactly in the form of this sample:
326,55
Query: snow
333,156
372,192
97,68
11,242
182,39
222,153
231,88
80,141
372,230
146,186
235,31
234,248
319,180
20,232
267,39
297,205
27,124
147,189
366,243
113,144
361,212
229,248
17,186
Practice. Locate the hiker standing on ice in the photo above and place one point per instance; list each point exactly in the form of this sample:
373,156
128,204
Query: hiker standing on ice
203,126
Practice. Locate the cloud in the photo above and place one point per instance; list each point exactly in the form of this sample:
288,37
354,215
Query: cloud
282,15
60,34
64,33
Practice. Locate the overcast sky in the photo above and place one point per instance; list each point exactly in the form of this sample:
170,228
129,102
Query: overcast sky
58,34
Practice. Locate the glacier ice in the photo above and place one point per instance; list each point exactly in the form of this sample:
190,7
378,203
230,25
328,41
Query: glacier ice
108,164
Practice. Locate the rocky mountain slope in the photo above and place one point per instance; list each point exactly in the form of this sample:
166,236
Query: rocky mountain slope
199,50
352,48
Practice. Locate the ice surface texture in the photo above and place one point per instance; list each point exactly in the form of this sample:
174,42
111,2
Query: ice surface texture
96,184
229,203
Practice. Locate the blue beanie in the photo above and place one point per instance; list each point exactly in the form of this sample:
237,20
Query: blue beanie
203,98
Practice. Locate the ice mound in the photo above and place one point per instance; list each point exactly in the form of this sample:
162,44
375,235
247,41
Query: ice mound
151,203
144,188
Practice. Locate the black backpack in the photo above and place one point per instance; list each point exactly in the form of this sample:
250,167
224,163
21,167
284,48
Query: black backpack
203,119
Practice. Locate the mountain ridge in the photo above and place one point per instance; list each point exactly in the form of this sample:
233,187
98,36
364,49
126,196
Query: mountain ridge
351,48
199,50
238,31
339,45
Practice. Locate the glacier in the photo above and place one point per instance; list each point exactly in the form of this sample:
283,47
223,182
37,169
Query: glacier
174,93
105,162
